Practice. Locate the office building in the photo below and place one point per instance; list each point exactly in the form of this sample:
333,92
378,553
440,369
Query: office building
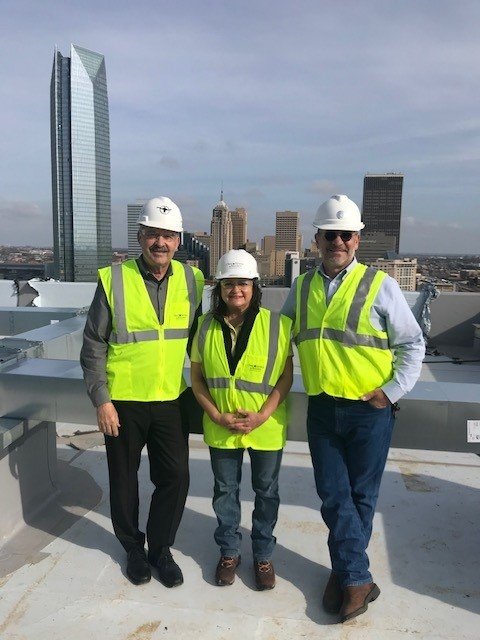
404,271
203,237
382,205
193,252
133,211
268,245
239,227
80,150
374,245
287,236
292,267
266,266
221,232
279,262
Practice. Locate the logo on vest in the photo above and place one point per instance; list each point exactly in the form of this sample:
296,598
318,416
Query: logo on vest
255,367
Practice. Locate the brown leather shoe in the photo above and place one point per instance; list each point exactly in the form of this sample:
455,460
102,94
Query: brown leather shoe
356,599
333,595
225,571
264,575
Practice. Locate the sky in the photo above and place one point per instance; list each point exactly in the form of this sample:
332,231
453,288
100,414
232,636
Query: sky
285,103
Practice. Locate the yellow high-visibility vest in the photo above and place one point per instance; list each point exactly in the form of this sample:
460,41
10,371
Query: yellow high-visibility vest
256,375
341,353
145,358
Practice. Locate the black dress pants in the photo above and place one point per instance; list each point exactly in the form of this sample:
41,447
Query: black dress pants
157,425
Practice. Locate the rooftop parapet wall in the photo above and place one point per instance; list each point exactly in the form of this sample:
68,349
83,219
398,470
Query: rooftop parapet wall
453,315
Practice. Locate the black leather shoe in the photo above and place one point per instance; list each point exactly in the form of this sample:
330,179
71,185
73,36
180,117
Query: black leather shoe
169,573
138,569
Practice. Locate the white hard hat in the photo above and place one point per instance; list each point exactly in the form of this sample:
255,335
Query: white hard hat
338,213
161,213
237,263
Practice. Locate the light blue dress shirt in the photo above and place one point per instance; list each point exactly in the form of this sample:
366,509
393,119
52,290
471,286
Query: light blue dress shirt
390,312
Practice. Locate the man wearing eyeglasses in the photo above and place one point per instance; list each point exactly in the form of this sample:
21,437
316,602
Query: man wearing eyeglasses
134,346
360,350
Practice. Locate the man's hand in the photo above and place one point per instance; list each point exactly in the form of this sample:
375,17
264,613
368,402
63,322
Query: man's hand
377,399
107,419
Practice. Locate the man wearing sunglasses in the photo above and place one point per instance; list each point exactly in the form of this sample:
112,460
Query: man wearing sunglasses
132,357
360,350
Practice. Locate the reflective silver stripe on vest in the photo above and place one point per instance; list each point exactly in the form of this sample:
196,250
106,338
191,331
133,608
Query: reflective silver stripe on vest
355,339
307,334
122,336
349,337
133,336
218,383
305,290
192,292
304,333
175,334
272,346
202,333
253,387
359,299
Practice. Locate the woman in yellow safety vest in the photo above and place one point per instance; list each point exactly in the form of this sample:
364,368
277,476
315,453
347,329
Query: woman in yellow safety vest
241,373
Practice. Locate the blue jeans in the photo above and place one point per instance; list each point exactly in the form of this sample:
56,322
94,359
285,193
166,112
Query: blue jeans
349,443
227,471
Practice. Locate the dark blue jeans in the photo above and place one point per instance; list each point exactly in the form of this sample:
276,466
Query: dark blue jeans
349,443
227,471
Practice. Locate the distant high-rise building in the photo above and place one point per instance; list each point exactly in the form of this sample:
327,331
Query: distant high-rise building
239,227
194,252
374,246
268,245
382,205
279,257
80,143
203,237
221,232
287,237
133,211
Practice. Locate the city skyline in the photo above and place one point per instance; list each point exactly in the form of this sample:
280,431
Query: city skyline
284,127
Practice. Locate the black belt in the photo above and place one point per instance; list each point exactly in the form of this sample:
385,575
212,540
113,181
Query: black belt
337,399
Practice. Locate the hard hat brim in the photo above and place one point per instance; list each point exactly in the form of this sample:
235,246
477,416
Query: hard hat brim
146,223
337,225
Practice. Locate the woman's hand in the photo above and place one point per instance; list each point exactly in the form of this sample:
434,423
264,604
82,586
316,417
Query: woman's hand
227,420
247,421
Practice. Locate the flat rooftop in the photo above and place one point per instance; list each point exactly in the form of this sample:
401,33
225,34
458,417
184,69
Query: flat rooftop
63,576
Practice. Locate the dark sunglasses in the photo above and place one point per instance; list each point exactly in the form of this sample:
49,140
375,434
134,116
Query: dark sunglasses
344,235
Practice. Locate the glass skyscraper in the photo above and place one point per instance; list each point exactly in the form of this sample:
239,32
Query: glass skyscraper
80,139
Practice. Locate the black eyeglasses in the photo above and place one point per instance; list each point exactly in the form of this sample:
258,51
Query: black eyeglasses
344,235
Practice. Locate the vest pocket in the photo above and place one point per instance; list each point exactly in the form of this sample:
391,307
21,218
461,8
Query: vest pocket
120,381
